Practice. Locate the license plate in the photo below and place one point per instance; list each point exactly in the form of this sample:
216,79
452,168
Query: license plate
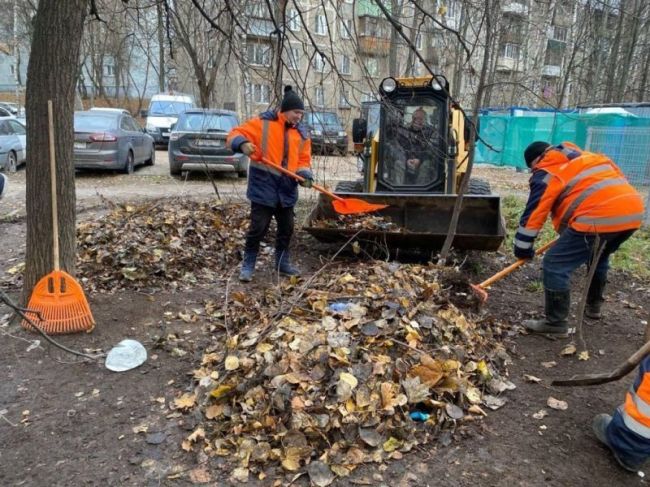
165,134
79,145
208,143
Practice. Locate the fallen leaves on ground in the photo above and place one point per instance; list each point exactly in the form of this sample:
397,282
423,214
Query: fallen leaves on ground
322,378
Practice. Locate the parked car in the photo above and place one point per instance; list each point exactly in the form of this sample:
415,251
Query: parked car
111,139
13,144
14,108
163,112
5,112
327,132
110,110
198,142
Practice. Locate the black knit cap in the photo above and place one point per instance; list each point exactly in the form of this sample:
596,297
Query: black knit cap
291,100
534,150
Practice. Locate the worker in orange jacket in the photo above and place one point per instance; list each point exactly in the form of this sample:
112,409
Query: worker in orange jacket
586,195
627,433
278,137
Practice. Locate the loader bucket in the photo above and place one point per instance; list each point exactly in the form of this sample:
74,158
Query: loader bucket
422,222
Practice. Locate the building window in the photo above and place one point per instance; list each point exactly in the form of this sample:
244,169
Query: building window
294,58
319,96
554,53
368,97
319,63
559,33
259,93
451,9
259,54
345,65
109,70
321,25
293,20
12,70
258,10
371,27
372,66
510,51
346,29
344,101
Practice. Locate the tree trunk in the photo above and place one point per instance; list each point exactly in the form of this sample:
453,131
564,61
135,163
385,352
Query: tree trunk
51,75
161,48
613,54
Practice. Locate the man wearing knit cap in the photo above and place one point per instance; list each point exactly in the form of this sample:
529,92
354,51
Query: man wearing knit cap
278,137
586,195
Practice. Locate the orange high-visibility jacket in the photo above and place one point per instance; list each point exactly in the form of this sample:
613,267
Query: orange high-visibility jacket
277,142
581,190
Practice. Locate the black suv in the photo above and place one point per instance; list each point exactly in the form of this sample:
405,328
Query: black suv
327,132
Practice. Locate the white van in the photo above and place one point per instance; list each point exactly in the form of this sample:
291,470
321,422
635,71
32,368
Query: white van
163,112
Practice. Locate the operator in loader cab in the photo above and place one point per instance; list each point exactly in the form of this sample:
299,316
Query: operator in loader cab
586,195
278,137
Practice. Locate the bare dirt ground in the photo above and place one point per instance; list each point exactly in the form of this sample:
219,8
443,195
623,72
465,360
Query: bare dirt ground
68,423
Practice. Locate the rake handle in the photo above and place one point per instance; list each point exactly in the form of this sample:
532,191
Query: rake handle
55,216
299,178
512,267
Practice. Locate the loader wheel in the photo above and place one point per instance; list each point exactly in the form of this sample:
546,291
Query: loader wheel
349,187
479,186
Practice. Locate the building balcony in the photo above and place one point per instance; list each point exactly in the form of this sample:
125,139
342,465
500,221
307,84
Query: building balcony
514,8
509,64
260,28
551,71
375,46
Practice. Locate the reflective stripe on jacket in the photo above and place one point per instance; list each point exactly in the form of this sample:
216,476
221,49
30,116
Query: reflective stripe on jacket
581,190
279,143
629,431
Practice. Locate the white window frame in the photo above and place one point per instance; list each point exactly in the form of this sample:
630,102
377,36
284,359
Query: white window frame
320,24
293,20
419,44
319,63
261,51
294,58
563,30
346,65
344,99
510,51
345,28
259,93
109,70
319,96
374,62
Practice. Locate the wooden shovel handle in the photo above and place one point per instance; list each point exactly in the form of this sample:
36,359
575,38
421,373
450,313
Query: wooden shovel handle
55,215
299,178
508,270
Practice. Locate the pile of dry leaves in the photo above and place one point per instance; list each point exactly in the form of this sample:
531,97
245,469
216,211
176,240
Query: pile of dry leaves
166,243
358,365
366,221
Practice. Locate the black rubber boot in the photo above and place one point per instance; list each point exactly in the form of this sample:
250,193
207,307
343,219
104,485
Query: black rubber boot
248,267
283,264
595,298
556,306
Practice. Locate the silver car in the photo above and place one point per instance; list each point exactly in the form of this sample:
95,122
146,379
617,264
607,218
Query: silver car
13,144
111,139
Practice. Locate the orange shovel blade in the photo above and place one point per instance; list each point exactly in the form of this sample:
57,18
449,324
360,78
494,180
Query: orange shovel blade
351,206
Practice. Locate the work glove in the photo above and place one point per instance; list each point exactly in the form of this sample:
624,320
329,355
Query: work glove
308,180
248,148
524,253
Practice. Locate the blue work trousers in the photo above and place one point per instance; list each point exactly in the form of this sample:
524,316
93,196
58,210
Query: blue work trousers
574,249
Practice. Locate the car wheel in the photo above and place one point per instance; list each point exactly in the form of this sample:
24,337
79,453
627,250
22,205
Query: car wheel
152,160
129,166
175,169
12,162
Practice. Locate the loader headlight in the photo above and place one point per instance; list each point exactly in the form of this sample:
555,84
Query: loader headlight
388,85
435,84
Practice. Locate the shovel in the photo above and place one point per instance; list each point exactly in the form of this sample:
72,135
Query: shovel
343,206
480,289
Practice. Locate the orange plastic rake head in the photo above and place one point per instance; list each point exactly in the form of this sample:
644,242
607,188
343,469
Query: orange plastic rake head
61,304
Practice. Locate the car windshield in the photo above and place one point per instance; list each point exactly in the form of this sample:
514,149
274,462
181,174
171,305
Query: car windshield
168,107
87,122
202,122
322,118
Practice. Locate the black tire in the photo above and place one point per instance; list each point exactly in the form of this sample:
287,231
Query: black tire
349,187
12,162
479,186
129,165
152,160
175,169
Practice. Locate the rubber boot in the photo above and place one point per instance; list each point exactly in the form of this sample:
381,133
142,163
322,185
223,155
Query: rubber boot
248,266
556,308
595,298
283,264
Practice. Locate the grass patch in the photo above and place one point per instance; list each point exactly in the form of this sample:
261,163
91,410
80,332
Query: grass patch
632,257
